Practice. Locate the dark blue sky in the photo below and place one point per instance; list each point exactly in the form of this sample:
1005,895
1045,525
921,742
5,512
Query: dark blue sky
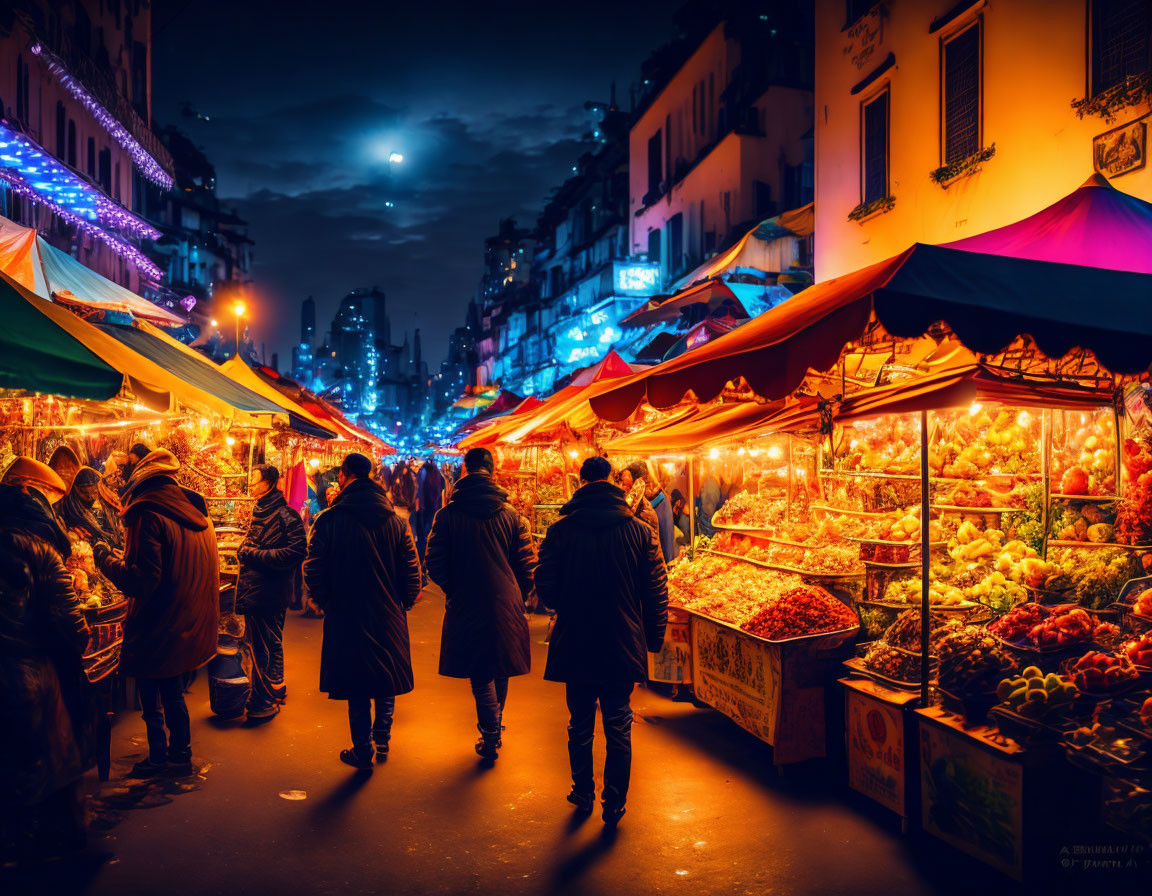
485,101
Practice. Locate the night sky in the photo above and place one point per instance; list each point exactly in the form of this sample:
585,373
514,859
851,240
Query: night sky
305,101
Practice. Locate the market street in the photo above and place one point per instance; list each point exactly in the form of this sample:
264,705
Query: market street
707,812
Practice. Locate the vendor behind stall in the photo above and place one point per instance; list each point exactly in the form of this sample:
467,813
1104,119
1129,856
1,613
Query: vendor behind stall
92,509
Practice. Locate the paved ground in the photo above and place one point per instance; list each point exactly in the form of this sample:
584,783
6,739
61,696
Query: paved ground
707,813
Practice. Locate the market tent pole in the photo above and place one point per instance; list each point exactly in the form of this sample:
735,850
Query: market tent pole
925,540
691,508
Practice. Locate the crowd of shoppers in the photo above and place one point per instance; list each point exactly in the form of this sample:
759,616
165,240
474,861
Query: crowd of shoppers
364,554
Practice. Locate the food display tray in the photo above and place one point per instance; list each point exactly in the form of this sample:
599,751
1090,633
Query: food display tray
1091,499
857,666
840,636
936,608
1028,650
960,508
779,567
1051,727
1096,545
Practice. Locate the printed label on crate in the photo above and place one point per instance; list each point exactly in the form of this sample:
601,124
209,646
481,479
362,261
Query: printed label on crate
875,750
673,664
737,675
972,798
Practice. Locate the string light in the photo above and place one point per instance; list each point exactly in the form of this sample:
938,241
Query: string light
143,160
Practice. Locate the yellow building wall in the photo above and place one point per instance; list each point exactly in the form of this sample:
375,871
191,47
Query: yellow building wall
1034,66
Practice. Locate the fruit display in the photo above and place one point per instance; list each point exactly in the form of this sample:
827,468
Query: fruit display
982,442
1034,694
1139,650
1143,603
1083,459
972,661
1106,634
883,445
804,610
1134,518
898,665
1091,523
1032,625
725,589
905,631
1102,673
753,511
207,465
940,594
1094,577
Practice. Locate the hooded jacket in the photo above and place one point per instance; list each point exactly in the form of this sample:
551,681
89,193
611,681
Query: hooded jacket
171,573
363,571
271,553
42,636
480,552
602,571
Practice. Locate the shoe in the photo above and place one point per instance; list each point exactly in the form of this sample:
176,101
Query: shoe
260,716
146,768
612,815
356,759
487,747
180,769
382,752
582,801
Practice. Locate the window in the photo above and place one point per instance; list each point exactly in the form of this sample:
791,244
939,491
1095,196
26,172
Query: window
653,245
695,109
106,170
92,157
961,105
874,143
71,142
655,168
675,243
1121,34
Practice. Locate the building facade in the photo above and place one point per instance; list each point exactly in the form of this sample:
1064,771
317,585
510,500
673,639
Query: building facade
203,247
76,145
722,145
937,121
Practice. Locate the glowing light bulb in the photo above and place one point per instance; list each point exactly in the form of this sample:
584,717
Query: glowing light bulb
314,463
203,421
774,453
975,409
239,308
229,441
713,454
573,454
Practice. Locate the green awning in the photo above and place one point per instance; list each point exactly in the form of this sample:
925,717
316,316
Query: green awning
200,372
37,355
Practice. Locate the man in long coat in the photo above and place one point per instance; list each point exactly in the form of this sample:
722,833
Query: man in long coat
42,636
480,552
170,572
601,569
364,573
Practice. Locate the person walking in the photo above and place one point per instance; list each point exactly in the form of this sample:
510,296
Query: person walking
429,500
270,557
480,552
170,572
43,635
364,573
603,573
404,490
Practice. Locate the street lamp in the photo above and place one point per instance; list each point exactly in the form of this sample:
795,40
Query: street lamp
239,309
396,157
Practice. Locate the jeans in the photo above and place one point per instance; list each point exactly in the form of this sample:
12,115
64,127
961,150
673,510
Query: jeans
617,718
163,702
266,634
490,698
364,730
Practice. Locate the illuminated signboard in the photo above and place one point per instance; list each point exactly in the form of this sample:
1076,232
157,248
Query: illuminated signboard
643,278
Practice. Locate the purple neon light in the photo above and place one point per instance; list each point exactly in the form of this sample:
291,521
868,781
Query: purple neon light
188,302
148,166
125,250
56,182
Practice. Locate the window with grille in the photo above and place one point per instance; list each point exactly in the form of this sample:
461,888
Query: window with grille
1121,39
874,168
961,104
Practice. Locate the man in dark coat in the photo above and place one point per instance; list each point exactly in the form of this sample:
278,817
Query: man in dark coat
170,572
480,552
429,499
363,571
270,557
42,637
603,573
